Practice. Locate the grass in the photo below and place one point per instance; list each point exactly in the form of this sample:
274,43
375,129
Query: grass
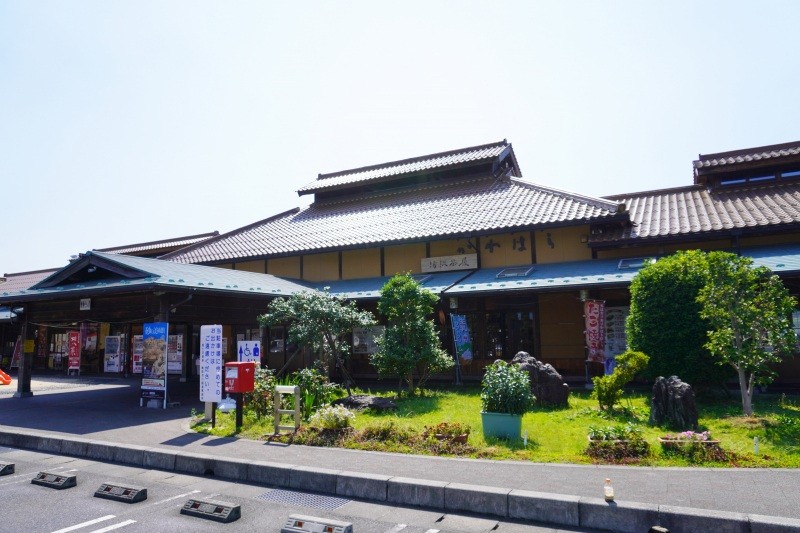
560,435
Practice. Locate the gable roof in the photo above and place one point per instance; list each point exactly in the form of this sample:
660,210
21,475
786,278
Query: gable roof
433,210
698,210
23,280
748,155
99,272
494,152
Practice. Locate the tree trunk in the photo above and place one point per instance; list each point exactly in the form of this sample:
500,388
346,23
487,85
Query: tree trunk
746,391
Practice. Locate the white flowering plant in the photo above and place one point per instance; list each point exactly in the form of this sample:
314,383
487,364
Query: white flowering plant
332,417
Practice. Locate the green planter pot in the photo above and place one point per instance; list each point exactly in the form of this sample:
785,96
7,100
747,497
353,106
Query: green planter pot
501,425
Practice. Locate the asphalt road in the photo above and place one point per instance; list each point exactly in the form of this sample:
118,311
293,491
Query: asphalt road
30,508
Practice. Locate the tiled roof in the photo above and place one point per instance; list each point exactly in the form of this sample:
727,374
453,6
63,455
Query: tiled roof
151,273
406,166
748,155
23,280
418,213
697,209
165,245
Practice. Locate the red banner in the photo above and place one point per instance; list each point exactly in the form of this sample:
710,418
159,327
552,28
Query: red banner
594,312
74,350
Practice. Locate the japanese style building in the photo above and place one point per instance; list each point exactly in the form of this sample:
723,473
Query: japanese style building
516,258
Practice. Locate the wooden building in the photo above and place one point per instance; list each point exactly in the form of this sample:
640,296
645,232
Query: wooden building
516,258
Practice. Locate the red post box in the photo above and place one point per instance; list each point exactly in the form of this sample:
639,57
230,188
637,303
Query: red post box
240,376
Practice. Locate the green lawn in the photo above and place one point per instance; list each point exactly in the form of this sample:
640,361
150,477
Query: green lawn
560,435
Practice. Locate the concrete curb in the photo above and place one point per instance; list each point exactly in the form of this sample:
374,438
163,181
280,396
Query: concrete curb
555,509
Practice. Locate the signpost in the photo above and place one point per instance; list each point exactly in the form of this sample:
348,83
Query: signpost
249,351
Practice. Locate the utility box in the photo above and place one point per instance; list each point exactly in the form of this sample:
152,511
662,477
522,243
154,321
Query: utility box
240,376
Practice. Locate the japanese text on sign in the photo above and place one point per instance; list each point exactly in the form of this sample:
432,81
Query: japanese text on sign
210,363
595,316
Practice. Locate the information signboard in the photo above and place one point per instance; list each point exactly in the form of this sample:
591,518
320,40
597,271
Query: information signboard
175,354
211,363
364,339
249,351
138,350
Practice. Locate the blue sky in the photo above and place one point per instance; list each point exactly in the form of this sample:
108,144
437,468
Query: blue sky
131,121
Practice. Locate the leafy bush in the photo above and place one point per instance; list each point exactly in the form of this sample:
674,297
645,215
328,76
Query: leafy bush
448,429
665,323
626,432
315,390
696,447
387,431
608,389
506,389
261,400
332,417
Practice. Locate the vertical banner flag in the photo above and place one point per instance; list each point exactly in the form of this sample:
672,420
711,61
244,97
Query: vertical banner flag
74,351
16,357
461,337
154,361
249,351
595,317
211,363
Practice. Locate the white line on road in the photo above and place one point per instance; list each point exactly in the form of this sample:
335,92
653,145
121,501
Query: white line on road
85,524
176,497
115,526
398,527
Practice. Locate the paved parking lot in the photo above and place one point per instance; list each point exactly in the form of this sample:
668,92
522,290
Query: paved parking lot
47,510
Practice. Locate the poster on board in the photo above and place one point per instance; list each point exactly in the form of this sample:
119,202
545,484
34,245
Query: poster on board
136,353
154,362
364,339
211,363
175,354
113,356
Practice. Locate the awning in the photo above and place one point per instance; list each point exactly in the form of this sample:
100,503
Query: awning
549,276
7,316
783,259
370,288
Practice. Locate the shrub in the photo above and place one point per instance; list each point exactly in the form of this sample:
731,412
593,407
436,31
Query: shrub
448,429
315,390
697,447
506,389
387,431
261,400
608,389
332,417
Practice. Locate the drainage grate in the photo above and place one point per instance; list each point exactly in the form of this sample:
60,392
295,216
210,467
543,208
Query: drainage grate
329,503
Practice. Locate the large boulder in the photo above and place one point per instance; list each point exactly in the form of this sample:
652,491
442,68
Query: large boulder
357,402
546,383
673,404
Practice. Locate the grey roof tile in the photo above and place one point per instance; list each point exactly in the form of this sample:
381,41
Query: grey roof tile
697,209
748,155
417,213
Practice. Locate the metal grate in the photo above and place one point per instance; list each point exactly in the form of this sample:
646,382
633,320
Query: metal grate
329,503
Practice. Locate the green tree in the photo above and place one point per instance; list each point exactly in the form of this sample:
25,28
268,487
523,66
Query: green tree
608,389
321,322
749,311
410,348
665,322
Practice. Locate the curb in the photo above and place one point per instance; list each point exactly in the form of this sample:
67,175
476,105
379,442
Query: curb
547,508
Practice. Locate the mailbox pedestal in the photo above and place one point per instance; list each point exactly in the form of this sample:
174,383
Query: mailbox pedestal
239,378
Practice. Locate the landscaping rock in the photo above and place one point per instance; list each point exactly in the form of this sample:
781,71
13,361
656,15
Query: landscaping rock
546,383
357,402
673,404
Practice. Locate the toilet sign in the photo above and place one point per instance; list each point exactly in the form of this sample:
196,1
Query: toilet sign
248,351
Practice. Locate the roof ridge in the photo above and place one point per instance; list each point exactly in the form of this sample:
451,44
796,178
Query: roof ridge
42,271
651,192
169,256
162,241
416,159
745,151
598,201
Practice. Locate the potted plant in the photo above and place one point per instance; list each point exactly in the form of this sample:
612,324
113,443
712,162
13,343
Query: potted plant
505,396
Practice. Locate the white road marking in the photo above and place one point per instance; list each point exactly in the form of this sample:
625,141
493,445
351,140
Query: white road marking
115,526
85,524
176,497
398,527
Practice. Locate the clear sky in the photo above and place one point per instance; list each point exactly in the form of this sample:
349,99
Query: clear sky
130,121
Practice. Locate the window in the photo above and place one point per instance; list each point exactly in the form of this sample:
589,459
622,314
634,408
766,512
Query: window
514,272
